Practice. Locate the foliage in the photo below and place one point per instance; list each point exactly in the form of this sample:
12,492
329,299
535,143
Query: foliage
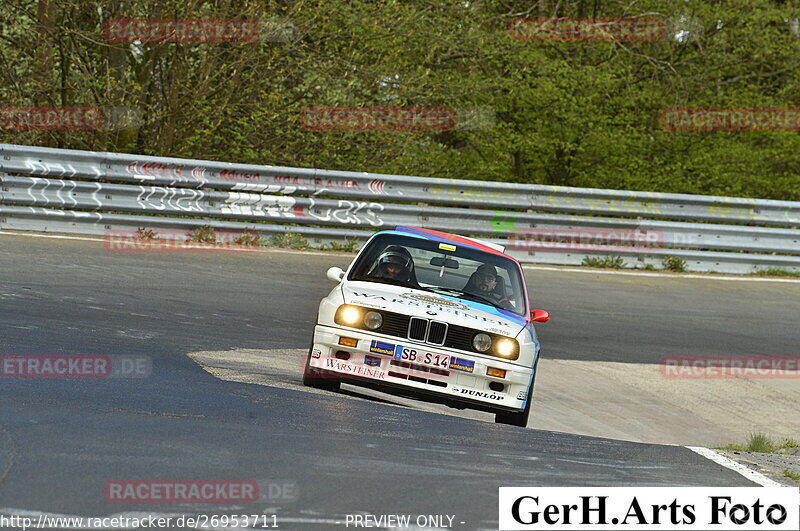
289,241
615,262
204,234
674,263
249,239
564,113
348,246
143,233
776,272
760,442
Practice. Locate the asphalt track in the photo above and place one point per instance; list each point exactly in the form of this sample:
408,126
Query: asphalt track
61,440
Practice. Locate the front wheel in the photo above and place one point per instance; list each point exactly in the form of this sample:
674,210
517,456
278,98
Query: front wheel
519,418
318,378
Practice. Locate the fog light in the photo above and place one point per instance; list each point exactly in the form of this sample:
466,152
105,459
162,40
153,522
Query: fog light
496,386
348,341
373,320
497,373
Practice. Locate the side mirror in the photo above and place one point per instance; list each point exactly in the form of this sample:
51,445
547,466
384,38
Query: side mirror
336,274
540,316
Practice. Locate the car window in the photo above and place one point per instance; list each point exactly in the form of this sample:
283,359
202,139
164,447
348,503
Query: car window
446,269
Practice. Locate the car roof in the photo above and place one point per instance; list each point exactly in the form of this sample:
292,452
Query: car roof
446,237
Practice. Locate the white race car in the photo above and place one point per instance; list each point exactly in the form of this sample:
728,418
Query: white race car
433,316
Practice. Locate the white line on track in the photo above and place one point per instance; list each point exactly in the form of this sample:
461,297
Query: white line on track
53,236
749,473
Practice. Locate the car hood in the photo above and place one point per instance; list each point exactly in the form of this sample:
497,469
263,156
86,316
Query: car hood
430,305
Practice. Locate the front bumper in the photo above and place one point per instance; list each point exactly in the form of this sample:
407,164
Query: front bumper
432,373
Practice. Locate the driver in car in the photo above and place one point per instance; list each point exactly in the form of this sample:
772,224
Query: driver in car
395,263
486,283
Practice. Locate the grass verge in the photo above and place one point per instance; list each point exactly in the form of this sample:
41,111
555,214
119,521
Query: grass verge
614,262
776,272
760,442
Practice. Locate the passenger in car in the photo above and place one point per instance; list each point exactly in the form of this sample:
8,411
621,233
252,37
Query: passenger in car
486,283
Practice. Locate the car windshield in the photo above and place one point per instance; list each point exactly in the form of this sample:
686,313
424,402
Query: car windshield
442,268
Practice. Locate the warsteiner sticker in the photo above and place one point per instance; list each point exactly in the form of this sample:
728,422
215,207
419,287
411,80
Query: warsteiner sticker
460,364
358,370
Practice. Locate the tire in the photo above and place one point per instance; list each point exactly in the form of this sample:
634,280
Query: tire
317,378
515,419
521,418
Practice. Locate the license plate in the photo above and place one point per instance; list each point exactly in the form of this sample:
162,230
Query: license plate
412,355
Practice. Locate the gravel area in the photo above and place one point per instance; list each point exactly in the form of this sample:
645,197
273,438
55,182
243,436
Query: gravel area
771,465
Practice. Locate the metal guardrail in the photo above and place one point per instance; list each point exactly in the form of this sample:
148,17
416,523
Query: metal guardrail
91,192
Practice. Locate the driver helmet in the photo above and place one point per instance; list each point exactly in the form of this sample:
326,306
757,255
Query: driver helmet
395,262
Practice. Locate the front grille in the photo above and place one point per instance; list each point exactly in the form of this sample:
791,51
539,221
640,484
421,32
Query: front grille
437,333
418,329
448,335
460,338
394,324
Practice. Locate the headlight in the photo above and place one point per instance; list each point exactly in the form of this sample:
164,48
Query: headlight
373,320
348,315
505,348
482,342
